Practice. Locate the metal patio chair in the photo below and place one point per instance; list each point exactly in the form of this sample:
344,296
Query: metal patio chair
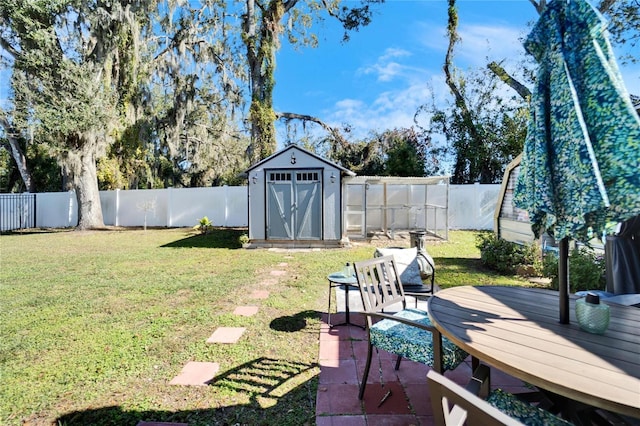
408,332
415,267
454,405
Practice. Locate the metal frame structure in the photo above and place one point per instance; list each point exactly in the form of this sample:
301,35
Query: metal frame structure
383,204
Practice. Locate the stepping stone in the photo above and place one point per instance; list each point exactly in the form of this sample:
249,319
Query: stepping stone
196,374
259,294
226,335
278,273
283,264
246,311
268,282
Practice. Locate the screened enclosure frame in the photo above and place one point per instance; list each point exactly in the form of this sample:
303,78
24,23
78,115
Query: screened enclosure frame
387,205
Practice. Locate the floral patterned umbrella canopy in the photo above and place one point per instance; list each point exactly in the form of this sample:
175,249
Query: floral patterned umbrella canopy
581,163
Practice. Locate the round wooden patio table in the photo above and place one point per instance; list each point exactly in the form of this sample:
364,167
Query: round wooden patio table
517,331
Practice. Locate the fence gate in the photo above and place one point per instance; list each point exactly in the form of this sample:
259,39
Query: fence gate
17,211
294,204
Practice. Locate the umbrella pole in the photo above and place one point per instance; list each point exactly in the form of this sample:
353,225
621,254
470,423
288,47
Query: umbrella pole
563,279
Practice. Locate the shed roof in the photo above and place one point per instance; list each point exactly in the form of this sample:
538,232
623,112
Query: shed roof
290,147
397,180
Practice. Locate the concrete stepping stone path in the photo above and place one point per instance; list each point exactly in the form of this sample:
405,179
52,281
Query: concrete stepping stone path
196,374
226,335
201,373
246,311
259,294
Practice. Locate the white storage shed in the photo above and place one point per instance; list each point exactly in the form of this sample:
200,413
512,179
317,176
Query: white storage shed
295,200
510,222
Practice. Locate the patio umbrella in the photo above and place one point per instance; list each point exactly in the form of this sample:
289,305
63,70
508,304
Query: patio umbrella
581,157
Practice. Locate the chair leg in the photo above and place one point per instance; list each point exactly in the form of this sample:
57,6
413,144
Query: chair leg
475,363
437,352
480,383
365,375
398,362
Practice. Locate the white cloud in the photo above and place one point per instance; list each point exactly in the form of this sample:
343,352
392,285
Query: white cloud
386,68
432,36
394,53
479,42
386,92
631,77
390,109
408,78
349,106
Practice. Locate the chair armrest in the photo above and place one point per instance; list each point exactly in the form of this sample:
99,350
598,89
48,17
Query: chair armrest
402,320
425,294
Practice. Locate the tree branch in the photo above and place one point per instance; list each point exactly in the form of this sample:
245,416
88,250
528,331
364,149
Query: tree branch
329,9
539,5
17,153
332,130
9,48
605,5
453,39
471,125
289,4
502,74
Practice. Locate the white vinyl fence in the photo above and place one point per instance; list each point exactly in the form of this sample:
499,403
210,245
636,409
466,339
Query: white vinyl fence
470,207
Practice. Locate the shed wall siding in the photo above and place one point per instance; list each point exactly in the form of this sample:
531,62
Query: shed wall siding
257,205
331,205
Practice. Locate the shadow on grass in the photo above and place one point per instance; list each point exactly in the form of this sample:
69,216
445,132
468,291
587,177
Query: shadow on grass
35,231
265,379
292,323
216,238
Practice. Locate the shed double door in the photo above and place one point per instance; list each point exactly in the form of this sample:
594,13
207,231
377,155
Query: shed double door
294,204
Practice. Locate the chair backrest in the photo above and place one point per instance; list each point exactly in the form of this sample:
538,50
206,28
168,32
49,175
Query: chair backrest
380,284
453,405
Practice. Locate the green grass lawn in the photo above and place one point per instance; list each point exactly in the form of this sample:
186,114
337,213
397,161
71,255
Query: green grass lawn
95,324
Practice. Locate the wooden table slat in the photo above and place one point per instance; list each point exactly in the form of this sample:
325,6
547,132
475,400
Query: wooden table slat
608,386
549,329
496,343
517,330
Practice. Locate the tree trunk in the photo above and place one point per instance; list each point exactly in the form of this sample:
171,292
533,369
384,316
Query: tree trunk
262,31
467,167
85,182
18,155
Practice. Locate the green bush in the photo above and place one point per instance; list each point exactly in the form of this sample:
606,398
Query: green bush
586,270
204,225
507,257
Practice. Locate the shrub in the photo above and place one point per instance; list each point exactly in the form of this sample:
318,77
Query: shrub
204,225
243,239
506,257
586,270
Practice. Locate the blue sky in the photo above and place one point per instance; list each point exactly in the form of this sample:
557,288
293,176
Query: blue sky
387,70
